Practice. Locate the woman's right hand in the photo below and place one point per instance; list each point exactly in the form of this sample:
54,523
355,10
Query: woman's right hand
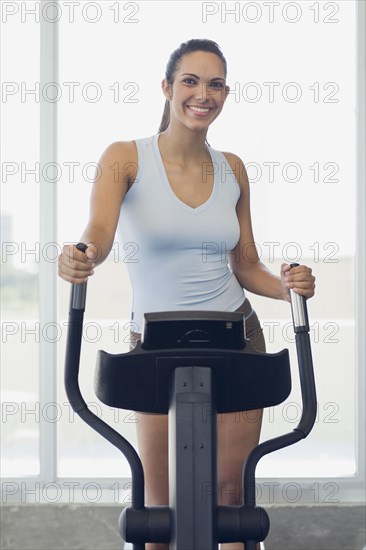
75,266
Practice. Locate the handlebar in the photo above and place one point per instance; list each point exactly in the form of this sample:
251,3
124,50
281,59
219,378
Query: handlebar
299,310
71,379
308,395
78,291
308,392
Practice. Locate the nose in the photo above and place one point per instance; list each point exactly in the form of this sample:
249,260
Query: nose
202,92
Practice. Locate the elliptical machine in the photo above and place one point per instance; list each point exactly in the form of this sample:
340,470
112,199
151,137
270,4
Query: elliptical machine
191,366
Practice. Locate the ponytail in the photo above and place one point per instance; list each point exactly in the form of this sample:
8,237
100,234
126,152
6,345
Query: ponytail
165,118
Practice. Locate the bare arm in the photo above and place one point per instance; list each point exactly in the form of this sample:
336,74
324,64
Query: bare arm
108,192
251,273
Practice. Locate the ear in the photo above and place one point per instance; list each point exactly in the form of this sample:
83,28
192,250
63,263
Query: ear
167,89
226,92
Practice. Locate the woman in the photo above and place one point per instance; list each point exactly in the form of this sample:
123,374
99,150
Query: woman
185,206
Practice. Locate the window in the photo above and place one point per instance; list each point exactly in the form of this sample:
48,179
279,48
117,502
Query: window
291,117
21,252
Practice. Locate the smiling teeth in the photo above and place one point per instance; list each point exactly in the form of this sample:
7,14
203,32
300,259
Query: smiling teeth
199,109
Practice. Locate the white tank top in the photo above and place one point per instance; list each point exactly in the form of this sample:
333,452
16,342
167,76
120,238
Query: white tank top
176,255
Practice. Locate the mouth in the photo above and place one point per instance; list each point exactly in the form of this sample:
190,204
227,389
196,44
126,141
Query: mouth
200,111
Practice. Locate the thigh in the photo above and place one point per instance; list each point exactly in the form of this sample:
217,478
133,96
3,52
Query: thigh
152,442
238,433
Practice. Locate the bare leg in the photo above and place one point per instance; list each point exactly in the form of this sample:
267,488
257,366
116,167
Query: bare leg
152,438
237,433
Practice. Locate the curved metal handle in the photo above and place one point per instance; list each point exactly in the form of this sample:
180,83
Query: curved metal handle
299,310
308,396
78,291
75,397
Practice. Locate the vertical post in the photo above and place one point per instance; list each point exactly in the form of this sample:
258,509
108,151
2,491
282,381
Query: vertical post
361,244
48,234
192,460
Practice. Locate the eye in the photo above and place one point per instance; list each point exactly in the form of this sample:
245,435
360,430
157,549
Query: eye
189,81
217,85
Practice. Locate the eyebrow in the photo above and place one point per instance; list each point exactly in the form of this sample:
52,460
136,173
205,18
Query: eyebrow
195,76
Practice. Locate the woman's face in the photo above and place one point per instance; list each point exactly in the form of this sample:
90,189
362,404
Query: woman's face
199,90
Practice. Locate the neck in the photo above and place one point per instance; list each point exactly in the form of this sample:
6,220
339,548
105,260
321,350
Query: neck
183,144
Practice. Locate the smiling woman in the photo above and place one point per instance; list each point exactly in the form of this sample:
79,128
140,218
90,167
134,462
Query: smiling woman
212,85
294,114
181,201
201,96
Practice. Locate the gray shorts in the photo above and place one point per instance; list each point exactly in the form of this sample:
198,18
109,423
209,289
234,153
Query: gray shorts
253,329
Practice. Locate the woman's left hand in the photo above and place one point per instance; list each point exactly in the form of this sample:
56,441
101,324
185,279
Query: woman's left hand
299,278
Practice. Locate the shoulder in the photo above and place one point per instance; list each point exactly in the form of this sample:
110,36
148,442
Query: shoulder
238,167
122,155
125,150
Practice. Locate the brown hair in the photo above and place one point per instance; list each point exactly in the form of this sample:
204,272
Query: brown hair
193,45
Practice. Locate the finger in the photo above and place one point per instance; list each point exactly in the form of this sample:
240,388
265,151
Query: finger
91,252
75,257
73,280
301,279
300,272
71,265
306,292
301,269
72,254
74,276
85,271
304,288
74,268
